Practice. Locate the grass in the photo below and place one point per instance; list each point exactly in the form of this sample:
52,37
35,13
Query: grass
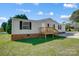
35,41
38,46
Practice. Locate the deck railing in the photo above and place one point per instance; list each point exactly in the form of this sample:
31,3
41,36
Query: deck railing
48,30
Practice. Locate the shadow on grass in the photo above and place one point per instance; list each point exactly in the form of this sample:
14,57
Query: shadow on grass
35,41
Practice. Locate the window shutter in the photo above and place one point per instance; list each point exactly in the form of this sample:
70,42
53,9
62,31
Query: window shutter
58,26
30,25
20,25
47,25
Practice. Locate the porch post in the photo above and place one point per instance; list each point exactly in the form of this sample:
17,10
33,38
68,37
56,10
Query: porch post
45,36
52,36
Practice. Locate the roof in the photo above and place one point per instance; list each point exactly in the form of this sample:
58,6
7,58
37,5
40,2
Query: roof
40,20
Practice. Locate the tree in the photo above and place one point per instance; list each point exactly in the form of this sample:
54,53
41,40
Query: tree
75,16
9,23
9,26
4,26
68,27
22,16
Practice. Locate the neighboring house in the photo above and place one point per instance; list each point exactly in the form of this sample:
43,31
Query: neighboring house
22,28
75,26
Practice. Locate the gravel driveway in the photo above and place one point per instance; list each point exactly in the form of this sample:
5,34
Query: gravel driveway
70,35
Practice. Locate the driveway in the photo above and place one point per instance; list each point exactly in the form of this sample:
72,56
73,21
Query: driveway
70,34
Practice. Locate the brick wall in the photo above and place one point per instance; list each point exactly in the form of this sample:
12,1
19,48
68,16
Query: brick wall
22,36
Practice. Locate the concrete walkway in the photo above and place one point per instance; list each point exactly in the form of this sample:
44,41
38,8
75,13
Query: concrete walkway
70,35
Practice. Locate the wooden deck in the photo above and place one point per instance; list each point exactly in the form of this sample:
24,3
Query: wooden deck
48,30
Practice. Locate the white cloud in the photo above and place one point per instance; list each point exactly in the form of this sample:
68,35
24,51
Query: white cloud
28,10
36,4
40,13
3,19
70,5
51,13
46,14
24,10
65,16
19,3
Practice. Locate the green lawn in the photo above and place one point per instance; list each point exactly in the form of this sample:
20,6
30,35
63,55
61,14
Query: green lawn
38,46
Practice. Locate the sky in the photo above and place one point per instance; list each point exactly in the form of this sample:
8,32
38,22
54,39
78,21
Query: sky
59,12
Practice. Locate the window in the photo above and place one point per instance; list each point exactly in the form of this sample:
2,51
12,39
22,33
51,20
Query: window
25,25
59,26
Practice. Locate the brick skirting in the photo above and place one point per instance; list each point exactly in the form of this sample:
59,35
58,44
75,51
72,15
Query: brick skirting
22,36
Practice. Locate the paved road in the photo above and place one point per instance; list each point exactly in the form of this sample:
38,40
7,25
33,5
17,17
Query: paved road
70,34
3,33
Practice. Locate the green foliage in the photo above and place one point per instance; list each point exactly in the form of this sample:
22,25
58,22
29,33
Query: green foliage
4,26
39,40
7,26
67,27
58,47
1,30
75,16
22,16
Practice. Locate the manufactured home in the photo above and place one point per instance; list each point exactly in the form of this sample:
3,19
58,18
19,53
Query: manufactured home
23,28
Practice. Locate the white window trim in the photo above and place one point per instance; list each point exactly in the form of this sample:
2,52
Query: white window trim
28,25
